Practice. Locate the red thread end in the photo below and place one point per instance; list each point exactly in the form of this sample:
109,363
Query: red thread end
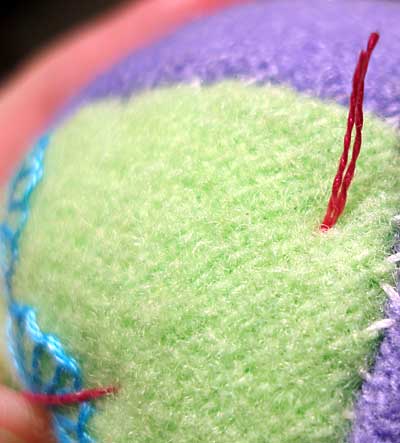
345,171
71,398
373,40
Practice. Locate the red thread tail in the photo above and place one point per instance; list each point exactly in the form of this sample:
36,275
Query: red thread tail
344,177
69,399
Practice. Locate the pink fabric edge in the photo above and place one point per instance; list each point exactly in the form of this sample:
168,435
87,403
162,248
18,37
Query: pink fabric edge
40,87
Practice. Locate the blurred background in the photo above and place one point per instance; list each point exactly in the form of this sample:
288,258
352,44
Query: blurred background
27,25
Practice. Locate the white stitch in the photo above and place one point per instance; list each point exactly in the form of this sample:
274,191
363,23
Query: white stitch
364,374
391,292
349,415
394,258
381,324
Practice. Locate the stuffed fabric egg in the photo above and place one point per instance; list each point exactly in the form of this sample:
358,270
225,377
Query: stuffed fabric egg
163,238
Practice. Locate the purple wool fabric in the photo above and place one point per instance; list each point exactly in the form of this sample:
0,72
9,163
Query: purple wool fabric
312,46
378,408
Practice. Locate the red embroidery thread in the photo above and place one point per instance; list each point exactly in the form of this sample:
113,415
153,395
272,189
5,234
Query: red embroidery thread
342,180
69,399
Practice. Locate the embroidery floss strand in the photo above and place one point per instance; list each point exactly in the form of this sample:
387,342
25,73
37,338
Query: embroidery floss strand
344,177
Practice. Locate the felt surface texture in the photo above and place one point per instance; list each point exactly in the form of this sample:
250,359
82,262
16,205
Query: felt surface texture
311,45
173,245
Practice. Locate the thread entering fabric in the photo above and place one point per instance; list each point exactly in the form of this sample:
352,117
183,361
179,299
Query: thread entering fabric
342,180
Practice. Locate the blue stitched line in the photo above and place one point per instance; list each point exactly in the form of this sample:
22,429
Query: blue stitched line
30,348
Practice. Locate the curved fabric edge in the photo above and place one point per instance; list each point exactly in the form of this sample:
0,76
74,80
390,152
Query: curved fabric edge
44,84
377,409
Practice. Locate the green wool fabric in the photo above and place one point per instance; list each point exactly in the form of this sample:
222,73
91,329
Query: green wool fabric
173,246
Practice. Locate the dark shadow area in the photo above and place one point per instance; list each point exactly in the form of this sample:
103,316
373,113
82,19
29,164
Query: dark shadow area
27,25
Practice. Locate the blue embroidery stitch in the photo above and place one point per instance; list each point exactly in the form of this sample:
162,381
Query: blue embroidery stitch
29,346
